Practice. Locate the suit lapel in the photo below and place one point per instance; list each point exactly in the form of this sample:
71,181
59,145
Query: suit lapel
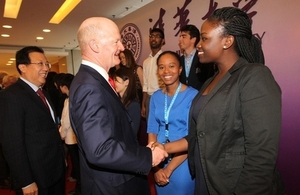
32,94
183,75
194,65
97,76
227,76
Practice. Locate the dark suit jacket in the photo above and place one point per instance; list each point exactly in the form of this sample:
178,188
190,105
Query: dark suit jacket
110,155
238,129
30,138
199,72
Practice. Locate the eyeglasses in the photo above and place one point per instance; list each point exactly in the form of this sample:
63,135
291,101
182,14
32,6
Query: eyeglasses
41,64
155,36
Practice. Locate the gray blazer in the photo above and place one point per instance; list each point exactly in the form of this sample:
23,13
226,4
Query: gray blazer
238,129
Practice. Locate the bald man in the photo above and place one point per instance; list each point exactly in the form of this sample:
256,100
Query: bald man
111,160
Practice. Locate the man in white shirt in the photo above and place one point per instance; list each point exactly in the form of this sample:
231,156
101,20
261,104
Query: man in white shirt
151,80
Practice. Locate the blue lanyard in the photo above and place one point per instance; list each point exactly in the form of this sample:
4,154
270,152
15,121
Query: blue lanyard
167,110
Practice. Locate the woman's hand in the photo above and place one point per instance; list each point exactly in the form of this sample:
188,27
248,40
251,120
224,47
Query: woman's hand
161,177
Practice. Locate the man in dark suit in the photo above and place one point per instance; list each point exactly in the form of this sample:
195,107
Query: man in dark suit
111,160
193,73
29,134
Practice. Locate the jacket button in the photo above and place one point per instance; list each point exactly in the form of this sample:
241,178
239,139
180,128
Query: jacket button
201,134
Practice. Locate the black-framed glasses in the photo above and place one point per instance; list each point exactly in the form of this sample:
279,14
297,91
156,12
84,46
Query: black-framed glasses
41,64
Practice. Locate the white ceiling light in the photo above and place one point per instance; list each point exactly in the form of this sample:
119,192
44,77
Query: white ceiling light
11,8
6,26
64,10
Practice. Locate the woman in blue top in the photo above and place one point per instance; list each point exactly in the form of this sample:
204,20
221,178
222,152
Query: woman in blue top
168,121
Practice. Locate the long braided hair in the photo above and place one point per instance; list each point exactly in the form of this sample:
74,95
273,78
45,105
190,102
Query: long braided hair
236,22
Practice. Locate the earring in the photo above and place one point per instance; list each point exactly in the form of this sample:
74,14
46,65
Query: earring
224,47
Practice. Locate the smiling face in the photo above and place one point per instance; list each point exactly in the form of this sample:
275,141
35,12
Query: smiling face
112,47
35,73
100,42
123,59
169,69
211,45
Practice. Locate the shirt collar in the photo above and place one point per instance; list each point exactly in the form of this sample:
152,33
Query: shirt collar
156,55
33,86
96,67
191,54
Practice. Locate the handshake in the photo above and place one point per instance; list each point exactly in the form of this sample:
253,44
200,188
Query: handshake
158,153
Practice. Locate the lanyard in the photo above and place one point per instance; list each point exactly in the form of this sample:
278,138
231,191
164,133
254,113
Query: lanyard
167,110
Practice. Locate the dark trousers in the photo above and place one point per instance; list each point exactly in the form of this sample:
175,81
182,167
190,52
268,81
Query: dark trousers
56,189
138,185
74,154
4,170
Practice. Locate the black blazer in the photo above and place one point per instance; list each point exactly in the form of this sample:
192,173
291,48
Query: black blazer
110,155
199,72
30,138
238,129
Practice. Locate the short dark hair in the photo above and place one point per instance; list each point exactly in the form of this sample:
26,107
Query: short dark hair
65,79
193,32
162,34
176,55
22,56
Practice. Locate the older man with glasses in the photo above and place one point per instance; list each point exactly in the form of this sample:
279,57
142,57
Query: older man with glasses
29,133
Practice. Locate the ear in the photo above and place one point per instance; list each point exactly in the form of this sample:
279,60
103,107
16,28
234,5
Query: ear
163,42
193,40
126,82
93,44
229,40
180,70
22,67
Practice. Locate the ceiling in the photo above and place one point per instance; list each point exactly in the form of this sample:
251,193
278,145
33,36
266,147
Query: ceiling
34,16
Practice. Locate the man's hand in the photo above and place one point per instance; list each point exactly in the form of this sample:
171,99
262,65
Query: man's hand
158,154
32,189
157,144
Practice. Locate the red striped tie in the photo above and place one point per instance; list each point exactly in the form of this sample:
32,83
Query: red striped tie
42,96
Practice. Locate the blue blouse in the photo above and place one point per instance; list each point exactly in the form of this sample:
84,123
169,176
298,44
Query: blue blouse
178,117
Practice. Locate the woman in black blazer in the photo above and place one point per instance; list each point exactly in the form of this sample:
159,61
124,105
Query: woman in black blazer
235,120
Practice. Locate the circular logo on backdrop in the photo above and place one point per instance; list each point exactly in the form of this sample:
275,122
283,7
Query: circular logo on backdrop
131,39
